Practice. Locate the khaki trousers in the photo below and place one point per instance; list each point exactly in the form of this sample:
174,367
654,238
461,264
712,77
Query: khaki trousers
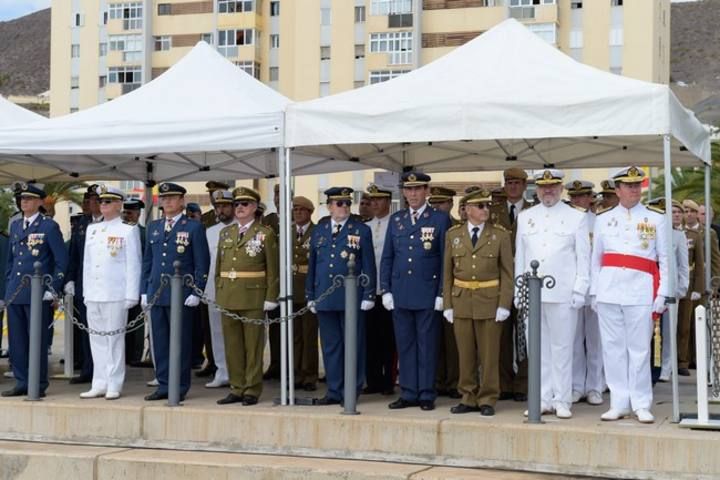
305,347
478,345
244,344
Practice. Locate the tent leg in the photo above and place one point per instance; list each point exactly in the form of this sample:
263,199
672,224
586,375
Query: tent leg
672,280
288,252
283,283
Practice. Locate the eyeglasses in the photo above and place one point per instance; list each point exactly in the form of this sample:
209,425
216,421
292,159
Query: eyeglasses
481,206
343,203
106,201
243,203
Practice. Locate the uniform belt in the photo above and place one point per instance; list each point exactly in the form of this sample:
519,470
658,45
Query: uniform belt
474,285
234,275
633,262
301,269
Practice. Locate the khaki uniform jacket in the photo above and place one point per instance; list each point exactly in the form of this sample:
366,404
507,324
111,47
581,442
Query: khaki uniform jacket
301,253
272,220
500,215
208,219
489,261
247,272
696,260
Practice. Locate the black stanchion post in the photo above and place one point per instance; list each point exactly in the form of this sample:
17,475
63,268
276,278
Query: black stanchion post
176,307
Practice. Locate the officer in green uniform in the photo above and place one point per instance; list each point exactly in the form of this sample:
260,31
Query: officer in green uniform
478,291
272,220
246,283
208,219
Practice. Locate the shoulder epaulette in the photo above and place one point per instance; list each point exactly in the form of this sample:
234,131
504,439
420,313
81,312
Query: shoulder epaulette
603,210
500,227
584,210
655,209
455,227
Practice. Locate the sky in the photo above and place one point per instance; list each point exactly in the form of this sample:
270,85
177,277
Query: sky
10,9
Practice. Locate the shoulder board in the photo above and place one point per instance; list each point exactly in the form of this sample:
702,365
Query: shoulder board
655,209
265,228
584,210
127,223
454,227
603,210
500,227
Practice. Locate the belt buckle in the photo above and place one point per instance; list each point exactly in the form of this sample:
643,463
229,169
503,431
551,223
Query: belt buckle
232,275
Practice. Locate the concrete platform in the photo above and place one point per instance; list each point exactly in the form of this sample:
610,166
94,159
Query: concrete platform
582,445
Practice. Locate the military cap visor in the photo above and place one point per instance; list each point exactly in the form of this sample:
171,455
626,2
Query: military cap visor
689,204
549,176
167,189
629,175
415,179
193,208
134,205
303,202
339,193
109,193
214,185
477,197
515,173
222,196
373,191
245,193
31,190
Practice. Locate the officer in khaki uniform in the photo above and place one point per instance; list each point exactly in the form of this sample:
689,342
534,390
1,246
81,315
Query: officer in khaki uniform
305,328
247,283
446,377
478,290
513,376
272,220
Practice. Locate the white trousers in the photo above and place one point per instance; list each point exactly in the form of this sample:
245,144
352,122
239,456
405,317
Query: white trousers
626,332
559,322
218,345
587,354
108,352
666,369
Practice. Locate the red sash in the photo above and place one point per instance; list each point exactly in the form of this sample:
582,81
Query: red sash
641,264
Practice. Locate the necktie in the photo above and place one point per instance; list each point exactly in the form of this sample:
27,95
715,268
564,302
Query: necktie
512,213
27,223
474,237
299,234
242,231
337,228
169,225
415,215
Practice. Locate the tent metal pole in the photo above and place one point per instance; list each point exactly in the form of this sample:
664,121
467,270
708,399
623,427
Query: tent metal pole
672,277
283,282
286,219
708,223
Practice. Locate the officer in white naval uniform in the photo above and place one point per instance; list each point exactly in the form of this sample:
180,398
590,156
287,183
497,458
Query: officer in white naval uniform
629,284
588,377
556,234
111,279
225,214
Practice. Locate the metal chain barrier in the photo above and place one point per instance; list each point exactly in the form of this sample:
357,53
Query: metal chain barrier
189,282
523,316
25,282
713,320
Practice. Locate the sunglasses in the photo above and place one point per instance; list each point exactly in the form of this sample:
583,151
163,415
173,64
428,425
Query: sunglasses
343,203
106,201
481,206
243,203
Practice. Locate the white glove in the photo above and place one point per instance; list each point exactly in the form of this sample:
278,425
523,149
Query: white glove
311,305
269,306
366,305
694,296
70,288
502,314
577,301
387,300
143,300
593,303
438,304
130,303
47,297
192,301
516,302
659,304
448,314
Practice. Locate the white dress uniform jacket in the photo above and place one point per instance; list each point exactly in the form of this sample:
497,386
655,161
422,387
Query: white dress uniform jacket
558,238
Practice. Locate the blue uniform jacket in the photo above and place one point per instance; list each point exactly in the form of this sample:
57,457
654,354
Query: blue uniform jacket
411,267
186,243
77,254
40,242
328,258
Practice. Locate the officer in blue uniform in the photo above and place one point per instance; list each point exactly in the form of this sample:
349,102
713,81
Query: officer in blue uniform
33,238
331,246
411,286
174,237
135,340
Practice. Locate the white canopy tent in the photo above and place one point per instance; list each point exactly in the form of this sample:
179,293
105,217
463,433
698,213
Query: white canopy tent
12,115
507,98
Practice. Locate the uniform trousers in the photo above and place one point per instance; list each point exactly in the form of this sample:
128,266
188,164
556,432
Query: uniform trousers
332,339
218,345
666,368
513,374
559,323
305,347
19,343
160,332
478,347
244,344
380,348
108,352
685,330
446,377
81,341
587,354
416,335
273,370
626,332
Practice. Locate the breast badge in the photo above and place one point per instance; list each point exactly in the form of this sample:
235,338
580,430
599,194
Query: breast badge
646,232
114,245
255,245
427,234
182,240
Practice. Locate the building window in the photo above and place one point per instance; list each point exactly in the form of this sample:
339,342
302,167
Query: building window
274,40
274,74
616,37
102,81
390,7
125,75
163,43
130,45
207,38
380,76
105,17
274,9
546,31
359,14
576,39
324,53
235,6
250,67
78,20
75,50
325,16
102,49
359,51
229,40
398,45
130,13
164,9
575,5
616,3
400,20
74,82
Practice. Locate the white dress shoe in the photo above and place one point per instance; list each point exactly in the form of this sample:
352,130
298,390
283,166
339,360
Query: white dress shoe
153,383
594,398
664,377
576,396
93,393
217,383
644,415
615,414
9,374
544,410
562,412
112,395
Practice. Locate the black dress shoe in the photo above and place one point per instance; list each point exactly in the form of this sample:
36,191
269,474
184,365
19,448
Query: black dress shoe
80,379
248,400
156,396
14,392
309,387
231,398
388,391
506,396
487,411
683,372
326,401
520,397
271,375
462,408
453,393
402,403
206,372
427,405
